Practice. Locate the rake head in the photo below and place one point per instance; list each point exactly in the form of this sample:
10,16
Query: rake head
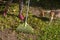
25,28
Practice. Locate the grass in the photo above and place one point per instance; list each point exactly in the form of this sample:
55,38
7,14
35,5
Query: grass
43,31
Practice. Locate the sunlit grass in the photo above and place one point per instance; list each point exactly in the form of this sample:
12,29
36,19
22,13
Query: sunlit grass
43,30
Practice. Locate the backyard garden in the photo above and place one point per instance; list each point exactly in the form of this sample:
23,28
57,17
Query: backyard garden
37,27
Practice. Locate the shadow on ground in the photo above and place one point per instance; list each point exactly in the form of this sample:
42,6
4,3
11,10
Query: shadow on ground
42,18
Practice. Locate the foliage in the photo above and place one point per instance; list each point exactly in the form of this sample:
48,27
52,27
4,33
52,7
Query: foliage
46,4
42,29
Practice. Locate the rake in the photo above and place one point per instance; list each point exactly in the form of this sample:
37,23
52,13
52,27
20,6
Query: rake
25,27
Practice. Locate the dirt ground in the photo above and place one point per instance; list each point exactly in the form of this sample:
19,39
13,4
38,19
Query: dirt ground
7,34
